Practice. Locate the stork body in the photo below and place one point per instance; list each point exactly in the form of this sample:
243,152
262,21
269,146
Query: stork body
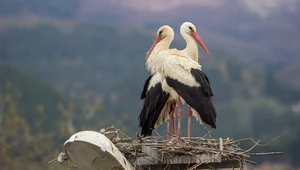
182,78
154,111
157,105
186,30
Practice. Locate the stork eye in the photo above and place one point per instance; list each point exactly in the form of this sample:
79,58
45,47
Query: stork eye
160,32
191,28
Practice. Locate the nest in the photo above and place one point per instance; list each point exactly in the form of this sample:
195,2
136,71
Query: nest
227,148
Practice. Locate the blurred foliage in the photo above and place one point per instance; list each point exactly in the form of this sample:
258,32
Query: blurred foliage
24,144
54,83
35,120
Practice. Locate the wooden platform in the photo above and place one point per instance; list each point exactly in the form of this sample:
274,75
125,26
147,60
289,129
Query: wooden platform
155,161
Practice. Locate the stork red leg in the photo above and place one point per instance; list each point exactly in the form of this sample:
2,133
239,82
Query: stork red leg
189,121
167,117
173,118
179,116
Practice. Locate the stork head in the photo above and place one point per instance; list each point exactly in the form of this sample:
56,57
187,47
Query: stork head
165,34
190,29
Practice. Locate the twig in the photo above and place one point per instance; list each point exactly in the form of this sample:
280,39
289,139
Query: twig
157,133
139,137
243,163
250,165
195,166
172,135
267,153
252,147
53,160
252,162
273,139
207,132
244,139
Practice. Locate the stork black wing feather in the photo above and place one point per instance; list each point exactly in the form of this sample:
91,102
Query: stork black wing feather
201,78
154,103
199,98
144,92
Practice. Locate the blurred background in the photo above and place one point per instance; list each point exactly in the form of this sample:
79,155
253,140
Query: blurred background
72,65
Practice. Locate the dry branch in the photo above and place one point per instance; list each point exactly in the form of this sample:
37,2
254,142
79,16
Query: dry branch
177,146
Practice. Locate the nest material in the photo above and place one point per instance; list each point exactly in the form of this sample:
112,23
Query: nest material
228,148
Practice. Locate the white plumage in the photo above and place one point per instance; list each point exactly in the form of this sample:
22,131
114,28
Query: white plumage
155,79
174,67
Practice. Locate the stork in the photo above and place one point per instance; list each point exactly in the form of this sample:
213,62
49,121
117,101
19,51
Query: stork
190,35
182,78
152,89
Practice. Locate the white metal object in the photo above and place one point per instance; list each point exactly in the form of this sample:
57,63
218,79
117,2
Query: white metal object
90,150
221,144
61,157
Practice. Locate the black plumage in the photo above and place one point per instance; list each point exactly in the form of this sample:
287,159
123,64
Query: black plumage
198,98
154,101
145,88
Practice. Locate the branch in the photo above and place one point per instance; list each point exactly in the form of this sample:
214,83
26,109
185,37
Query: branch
157,134
273,139
195,166
267,153
265,144
207,132
139,137
256,143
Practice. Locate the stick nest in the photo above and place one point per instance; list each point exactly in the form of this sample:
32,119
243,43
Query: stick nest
228,147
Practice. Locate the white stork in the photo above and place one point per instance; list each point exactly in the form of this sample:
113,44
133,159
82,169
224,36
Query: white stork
182,78
157,102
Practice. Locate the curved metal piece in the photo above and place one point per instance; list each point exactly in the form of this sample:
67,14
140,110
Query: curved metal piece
90,150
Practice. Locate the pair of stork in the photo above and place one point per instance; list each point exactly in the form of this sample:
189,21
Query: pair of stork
176,77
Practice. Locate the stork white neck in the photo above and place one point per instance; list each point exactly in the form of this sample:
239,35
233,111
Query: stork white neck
164,44
191,48
155,58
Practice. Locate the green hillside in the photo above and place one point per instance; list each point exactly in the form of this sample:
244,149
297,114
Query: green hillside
29,120
34,96
35,119
101,70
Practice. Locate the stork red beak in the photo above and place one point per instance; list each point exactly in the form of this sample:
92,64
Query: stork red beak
198,39
152,47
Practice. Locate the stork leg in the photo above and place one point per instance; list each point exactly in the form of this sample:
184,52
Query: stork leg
167,117
173,118
190,113
179,116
